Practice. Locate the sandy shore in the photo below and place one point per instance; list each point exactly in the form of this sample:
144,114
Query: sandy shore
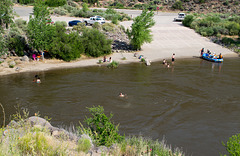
168,37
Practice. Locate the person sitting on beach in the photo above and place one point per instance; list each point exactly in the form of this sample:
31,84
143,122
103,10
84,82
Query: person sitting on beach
104,59
110,59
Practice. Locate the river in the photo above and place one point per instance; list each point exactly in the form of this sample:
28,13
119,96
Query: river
194,105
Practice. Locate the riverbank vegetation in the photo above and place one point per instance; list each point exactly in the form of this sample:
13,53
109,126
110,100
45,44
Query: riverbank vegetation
36,136
223,29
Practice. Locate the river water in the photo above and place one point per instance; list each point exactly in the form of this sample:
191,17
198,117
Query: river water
194,105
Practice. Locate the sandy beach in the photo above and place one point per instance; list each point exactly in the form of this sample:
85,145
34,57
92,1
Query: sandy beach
168,37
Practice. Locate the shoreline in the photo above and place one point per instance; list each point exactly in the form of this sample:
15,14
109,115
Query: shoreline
52,64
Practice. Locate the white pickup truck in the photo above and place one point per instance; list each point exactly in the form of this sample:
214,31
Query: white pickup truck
94,19
180,17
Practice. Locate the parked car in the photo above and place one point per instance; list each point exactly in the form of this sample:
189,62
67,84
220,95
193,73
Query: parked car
74,22
94,19
49,21
180,17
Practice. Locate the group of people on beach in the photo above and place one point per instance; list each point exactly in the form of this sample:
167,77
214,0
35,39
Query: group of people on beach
107,60
210,53
168,64
37,55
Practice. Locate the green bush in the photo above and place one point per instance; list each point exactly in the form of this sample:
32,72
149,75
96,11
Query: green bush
97,26
228,41
22,24
60,11
84,145
26,1
108,27
233,28
55,3
188,20
206,31
62,23
66,46
113,64
233,145
178,5
79,27
115,20
95,43
106,133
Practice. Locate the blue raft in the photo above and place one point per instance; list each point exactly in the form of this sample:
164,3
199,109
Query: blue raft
211,58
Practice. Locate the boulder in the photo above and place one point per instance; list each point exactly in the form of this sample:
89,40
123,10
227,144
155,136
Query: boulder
12,63
25,58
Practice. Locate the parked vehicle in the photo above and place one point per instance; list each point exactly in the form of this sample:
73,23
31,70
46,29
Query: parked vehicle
49,21
74,22
94,19
180,17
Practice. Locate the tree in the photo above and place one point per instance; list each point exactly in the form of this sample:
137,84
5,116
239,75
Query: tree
140,32
39,31
6,12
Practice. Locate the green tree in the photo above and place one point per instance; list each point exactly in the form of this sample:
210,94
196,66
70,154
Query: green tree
39,31
6,14
106,133
140,32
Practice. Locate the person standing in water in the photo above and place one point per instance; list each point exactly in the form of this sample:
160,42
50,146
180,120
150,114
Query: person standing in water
173,58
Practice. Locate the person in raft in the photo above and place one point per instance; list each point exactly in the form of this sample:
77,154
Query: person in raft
202,51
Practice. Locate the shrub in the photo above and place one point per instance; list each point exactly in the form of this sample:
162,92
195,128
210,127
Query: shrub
95,43
233,28
108,27
84,145
178,5
66,46
188,20
60,11
55,3
62,23
115,20
106,133
97,26
113,64
233,145
71,3
206,31
22,24
85,7
79,27
26,1
227,41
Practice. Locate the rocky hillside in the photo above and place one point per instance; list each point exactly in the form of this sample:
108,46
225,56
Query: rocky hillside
199,6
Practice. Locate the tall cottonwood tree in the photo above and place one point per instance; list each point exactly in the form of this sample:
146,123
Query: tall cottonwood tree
6,16
140,32
40,33
6,13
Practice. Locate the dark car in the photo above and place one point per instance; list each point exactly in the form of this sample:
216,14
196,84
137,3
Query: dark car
74,22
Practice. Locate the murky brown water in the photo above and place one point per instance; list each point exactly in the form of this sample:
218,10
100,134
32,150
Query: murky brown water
195,105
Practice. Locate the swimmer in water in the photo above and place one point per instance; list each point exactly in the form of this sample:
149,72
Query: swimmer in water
121,95
37,79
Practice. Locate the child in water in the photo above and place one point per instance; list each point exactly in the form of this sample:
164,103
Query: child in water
37,79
